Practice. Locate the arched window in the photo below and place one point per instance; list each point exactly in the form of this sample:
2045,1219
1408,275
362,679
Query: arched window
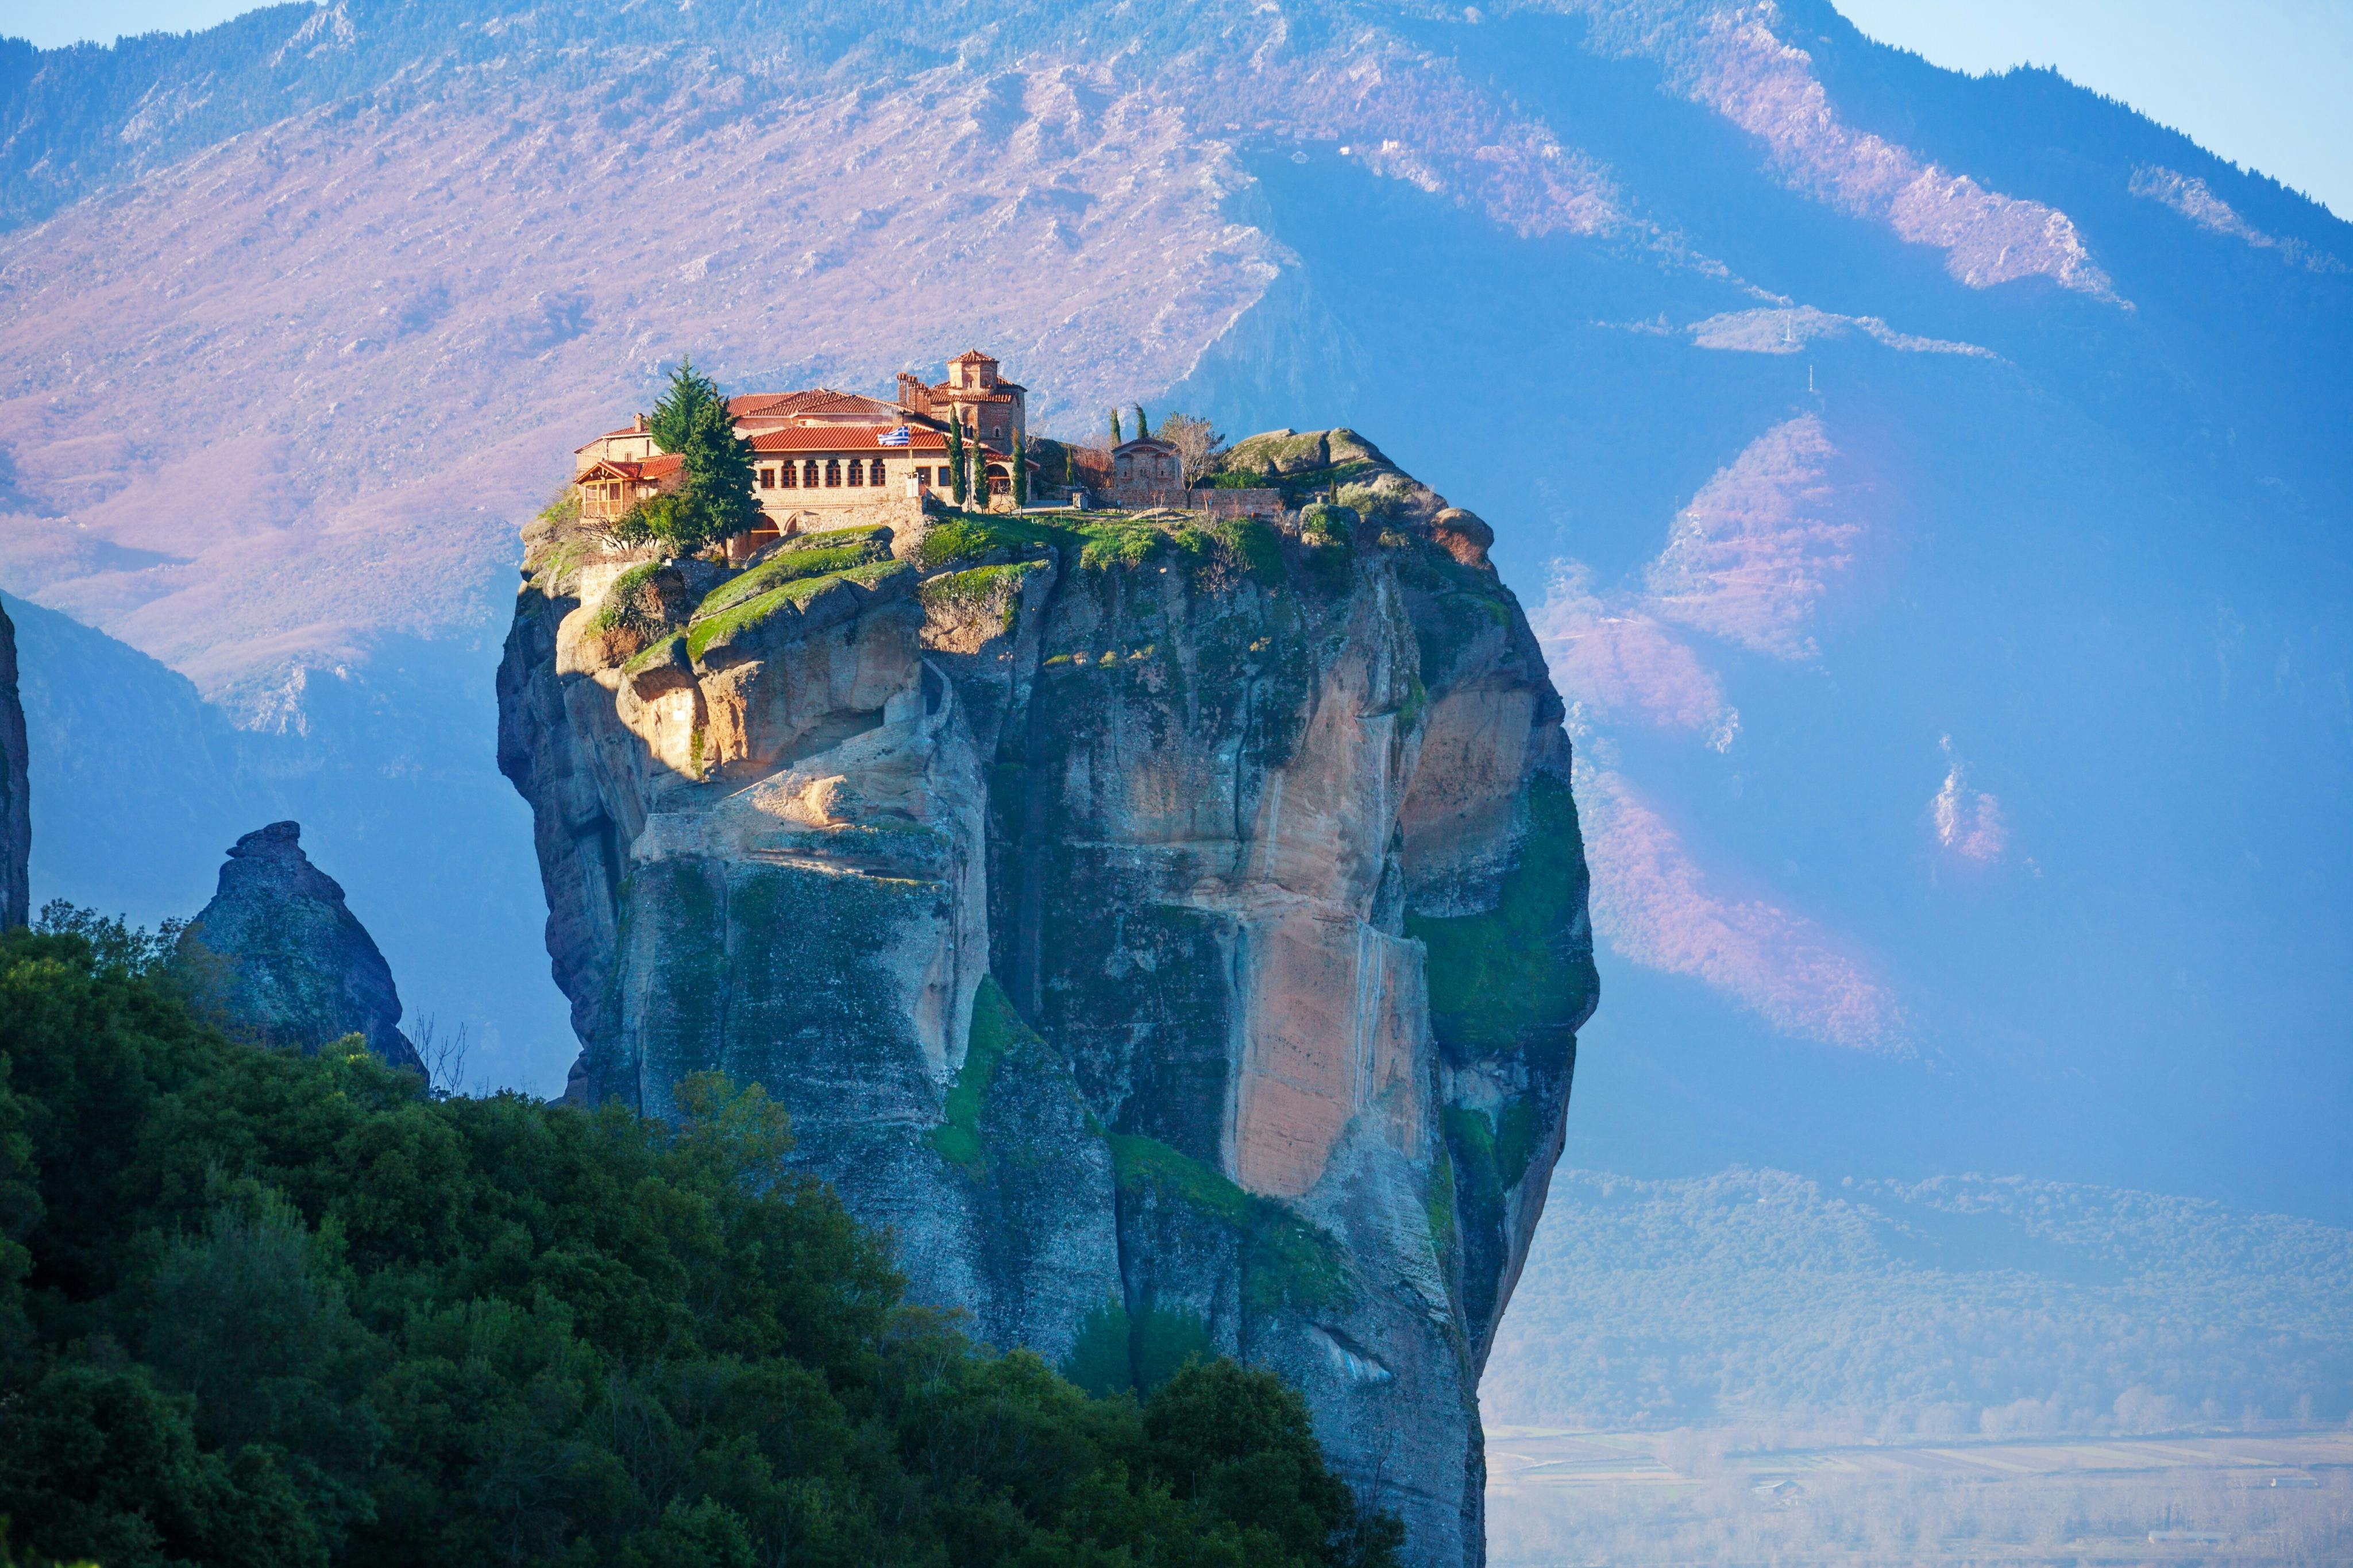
856,472
791,472
808,475
832,472
874,471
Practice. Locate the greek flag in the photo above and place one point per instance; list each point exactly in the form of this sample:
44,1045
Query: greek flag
900,438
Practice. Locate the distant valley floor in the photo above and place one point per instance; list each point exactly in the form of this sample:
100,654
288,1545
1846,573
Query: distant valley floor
1559,1497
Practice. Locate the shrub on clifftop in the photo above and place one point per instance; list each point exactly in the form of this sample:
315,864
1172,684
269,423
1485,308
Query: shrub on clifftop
261,1309
716,500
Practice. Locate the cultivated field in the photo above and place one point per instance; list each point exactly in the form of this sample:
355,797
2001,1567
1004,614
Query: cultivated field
1702,1497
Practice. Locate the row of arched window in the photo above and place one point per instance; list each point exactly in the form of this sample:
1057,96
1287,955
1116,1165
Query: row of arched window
832,473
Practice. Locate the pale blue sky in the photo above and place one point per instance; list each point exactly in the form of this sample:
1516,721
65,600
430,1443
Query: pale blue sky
2265,83
2268,83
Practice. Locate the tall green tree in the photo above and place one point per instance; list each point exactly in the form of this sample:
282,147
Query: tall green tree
1115,437
719,474
689,393
1143,431
1020,471
955,462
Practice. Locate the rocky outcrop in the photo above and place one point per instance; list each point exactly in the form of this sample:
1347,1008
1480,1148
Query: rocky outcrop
1175,931
16,811
284,959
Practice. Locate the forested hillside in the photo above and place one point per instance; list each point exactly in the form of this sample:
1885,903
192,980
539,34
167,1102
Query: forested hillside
264,1309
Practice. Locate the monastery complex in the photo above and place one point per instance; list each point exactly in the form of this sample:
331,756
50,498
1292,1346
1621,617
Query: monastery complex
824,458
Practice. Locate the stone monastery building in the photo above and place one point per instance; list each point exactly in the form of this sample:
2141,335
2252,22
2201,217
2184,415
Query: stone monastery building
821,453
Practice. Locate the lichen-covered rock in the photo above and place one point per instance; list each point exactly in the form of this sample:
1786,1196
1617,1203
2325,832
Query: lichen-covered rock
285,959
15,813
1174,931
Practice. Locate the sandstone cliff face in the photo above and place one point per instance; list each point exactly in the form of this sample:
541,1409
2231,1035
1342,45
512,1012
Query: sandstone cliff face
1175,933
288,961
16,815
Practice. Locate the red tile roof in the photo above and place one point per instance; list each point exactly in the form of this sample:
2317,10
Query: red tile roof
767,405
661,466
862,439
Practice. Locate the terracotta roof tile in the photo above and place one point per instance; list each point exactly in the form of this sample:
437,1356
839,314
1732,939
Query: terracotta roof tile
661,466
862,439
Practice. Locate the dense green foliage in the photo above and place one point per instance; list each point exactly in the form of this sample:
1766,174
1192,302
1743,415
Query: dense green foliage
1135,1352
716,499
1246,546
689,394
261,1309
719,474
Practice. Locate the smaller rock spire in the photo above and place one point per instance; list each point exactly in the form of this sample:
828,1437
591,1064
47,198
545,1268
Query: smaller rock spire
297,968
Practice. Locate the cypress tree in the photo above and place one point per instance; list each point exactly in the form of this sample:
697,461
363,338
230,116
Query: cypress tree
690,391
955,462
1020,471
1114,428
718,489
1143,431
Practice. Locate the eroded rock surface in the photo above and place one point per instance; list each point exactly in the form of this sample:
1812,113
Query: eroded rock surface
288,960
1177,933
16,815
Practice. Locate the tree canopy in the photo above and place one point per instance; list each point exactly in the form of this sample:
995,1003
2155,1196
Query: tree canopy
263,1308
689,393
719,473
715,498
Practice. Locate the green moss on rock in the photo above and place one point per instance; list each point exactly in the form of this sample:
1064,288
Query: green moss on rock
1516,1142
996,1029
669,649
1105,542
978,587
792,594
1287,1261
633,604
1438,1200
808,558
1518,976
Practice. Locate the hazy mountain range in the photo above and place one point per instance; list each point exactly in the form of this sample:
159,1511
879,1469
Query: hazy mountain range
1935,489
